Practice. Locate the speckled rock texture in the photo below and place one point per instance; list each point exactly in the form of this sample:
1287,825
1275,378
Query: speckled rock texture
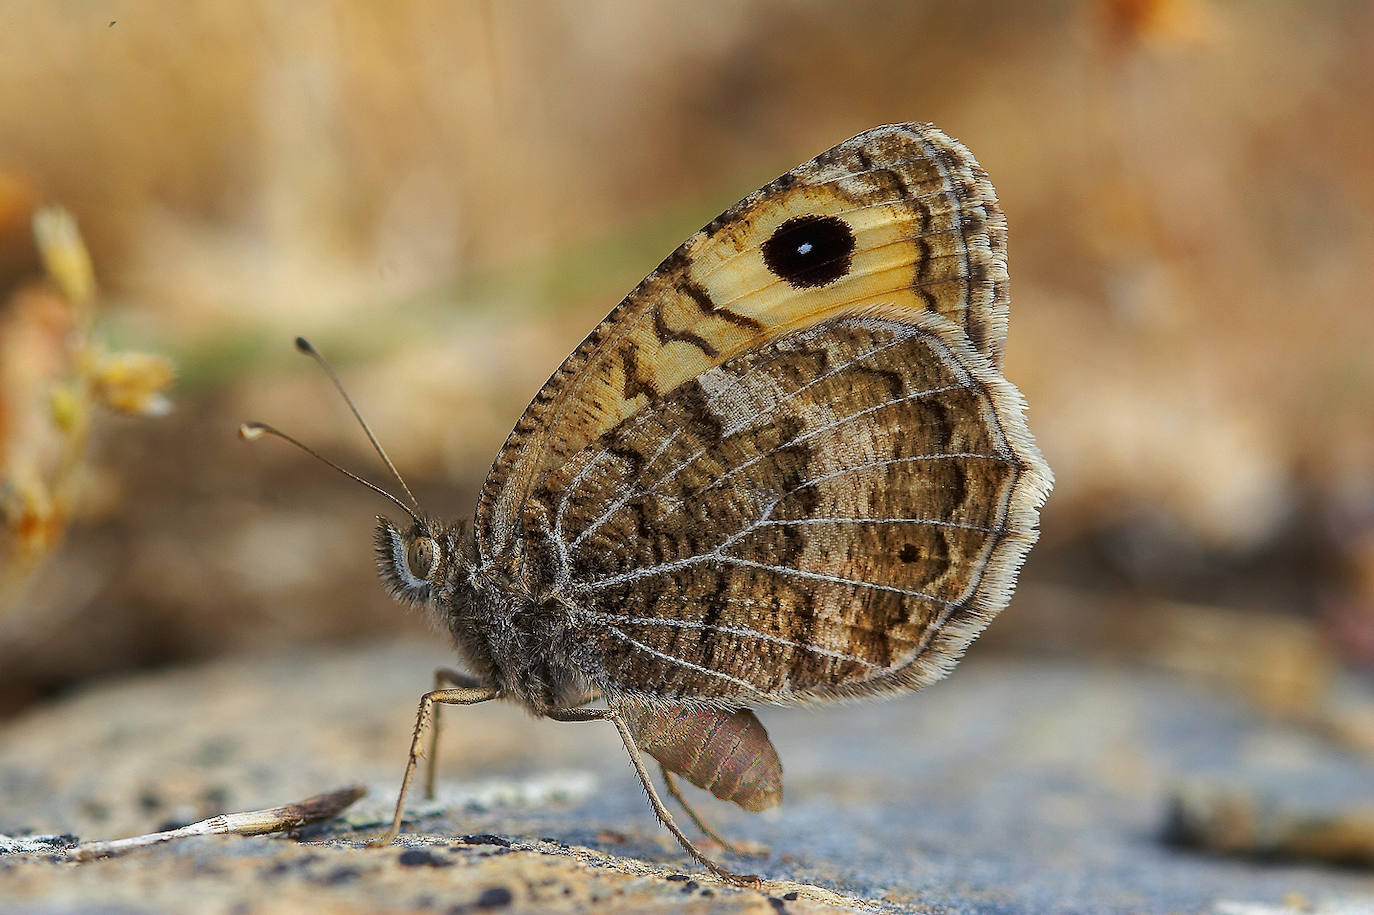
1013,787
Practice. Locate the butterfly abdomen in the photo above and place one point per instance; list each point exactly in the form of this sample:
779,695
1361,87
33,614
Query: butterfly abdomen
725,752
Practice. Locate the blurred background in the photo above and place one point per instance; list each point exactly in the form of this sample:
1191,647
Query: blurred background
447,196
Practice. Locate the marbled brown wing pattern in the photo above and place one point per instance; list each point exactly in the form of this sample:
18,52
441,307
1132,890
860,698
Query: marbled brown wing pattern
900,215
835,512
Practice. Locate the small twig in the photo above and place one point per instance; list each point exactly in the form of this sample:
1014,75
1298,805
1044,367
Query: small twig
249,823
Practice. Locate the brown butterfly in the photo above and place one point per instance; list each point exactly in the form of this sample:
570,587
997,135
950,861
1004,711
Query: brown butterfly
785,469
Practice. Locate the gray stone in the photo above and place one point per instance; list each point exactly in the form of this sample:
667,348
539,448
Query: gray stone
1013,787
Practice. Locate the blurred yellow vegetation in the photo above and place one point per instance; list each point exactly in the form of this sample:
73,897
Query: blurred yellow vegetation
1162,21
51,376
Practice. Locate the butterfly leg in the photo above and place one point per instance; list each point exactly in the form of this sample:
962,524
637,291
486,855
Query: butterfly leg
442,677
462,695
678,796
661,811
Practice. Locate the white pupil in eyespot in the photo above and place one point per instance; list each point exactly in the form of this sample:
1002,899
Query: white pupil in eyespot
804,248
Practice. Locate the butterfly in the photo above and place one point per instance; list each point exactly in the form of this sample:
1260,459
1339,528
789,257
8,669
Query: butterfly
786,469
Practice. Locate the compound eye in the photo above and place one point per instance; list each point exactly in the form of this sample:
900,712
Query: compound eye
422,557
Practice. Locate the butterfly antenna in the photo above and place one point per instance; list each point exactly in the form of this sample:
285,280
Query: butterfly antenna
306,347
251,431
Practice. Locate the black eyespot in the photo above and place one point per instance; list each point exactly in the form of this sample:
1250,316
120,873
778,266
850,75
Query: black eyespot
810,250
909,553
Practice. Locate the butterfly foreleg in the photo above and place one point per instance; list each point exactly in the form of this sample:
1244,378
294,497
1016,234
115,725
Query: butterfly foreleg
443,676
462,695
660,810
678,796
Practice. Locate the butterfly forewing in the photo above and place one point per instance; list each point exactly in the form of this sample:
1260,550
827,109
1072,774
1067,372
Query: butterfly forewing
803,521
901,215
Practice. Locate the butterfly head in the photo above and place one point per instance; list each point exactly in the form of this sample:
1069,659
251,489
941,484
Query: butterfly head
418,564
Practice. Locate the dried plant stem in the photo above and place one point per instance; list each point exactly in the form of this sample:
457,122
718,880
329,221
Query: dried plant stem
249,823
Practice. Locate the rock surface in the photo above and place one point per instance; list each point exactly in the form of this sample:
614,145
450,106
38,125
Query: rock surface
1013,787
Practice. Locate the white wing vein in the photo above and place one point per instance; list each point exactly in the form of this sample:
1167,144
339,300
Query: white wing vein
732,630
635,492
635,643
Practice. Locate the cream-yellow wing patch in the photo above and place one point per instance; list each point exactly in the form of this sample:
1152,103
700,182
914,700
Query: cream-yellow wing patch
900,216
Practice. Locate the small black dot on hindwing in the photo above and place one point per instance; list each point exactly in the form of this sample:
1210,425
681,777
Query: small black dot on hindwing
809,251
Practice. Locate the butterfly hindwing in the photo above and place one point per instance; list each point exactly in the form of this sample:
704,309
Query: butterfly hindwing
837,511
900,215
